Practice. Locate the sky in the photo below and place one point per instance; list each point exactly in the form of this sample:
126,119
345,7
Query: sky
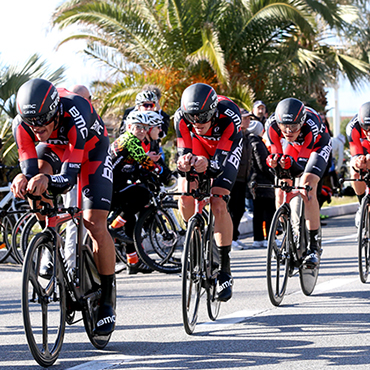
25,29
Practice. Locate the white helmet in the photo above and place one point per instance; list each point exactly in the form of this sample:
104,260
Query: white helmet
144,118
145,96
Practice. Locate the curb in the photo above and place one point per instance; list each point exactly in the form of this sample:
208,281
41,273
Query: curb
246,224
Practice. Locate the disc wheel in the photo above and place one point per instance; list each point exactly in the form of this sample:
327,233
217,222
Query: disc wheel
43,302
90,285
191,276
278,256
364,241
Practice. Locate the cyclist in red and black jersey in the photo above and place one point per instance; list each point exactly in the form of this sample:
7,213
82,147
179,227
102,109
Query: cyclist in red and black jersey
209,139
306,155
72,140
358,133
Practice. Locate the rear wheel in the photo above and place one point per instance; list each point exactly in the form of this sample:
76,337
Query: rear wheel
90,285
364,240
159,237
43,302
191,276
278,256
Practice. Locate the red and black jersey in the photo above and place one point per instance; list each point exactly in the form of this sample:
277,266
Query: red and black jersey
218,141
79,130
358,143
313,137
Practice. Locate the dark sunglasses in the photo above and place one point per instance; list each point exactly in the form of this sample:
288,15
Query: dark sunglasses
148,105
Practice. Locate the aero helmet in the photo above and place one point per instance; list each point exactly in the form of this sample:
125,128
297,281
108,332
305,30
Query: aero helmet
37,102
199,103
290,111
145,96
364,116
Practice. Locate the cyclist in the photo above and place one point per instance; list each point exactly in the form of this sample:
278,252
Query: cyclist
306,154
130,162
358,133
72,140
210,140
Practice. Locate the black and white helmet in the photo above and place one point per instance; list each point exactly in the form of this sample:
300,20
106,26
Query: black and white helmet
145,96
364,116
37,102
147,118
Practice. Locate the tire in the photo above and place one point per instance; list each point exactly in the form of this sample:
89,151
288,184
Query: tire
31,228
43,303
17,251
364,241
278,256
159,237
191,276
90,286
7,225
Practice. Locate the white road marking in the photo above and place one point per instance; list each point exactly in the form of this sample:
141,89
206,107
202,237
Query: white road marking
352,236
105,362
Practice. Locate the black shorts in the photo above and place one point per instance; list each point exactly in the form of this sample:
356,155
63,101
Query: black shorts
95,174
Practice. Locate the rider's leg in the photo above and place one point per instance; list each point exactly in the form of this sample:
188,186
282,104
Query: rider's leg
312,214
95,221
223,233
186,203
358,186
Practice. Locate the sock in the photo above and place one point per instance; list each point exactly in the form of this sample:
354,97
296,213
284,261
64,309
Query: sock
315,240
225,258
132,258
108,289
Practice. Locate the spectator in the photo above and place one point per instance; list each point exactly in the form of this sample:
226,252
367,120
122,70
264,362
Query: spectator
264,199
83,91
148,99
259,111
236,205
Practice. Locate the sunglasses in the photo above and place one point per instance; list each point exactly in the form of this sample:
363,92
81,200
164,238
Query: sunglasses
148,105
201,118
141,127
293,128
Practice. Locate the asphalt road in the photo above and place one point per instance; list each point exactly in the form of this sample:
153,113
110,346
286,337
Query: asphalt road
329,329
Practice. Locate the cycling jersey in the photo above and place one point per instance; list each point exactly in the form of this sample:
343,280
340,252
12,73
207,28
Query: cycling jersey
358,143
78,145
311,149
127,153
222,143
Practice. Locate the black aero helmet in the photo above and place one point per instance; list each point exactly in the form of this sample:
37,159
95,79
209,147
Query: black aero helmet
290,111
37,102
364,116
199,103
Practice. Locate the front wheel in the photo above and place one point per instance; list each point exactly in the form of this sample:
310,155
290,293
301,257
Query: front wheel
191,276
43,302
278,256
364,240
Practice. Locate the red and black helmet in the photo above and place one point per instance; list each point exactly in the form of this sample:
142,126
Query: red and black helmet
364,116
290,111
199,103
37,102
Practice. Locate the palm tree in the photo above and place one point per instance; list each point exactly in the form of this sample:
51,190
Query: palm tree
11,79
245,48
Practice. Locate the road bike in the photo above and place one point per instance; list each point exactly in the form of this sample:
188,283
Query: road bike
287,245
10,211
363,224
51,299
200,258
